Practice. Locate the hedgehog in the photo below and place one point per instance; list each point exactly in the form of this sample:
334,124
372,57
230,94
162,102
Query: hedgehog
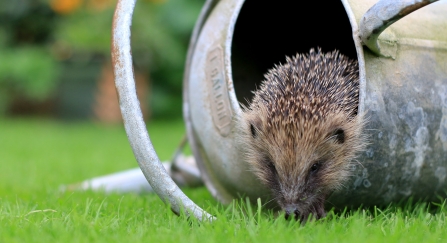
302,131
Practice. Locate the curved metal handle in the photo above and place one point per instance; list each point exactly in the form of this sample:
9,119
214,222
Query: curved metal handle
383,14
134,124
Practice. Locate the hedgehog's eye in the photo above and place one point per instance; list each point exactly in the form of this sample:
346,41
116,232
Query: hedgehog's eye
270,165
255,126
315,167
253,130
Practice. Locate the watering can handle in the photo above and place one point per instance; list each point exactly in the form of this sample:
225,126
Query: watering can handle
134,124
383,14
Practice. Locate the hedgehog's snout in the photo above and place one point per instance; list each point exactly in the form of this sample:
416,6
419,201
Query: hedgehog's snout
302,212
292,210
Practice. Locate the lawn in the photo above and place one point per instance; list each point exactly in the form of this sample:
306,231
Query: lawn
37,156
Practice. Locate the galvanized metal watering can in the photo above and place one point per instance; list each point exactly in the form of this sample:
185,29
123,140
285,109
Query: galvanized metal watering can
403,91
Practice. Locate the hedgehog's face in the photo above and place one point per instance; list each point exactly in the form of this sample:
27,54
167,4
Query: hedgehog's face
302,167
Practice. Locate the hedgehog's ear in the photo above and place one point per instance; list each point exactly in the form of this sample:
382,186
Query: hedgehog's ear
338,135
255,125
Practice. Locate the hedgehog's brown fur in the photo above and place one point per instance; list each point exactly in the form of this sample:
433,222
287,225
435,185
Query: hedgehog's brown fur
302,130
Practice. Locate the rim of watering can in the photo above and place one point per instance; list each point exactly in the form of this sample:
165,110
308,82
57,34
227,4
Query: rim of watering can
217,191
134,124
205,12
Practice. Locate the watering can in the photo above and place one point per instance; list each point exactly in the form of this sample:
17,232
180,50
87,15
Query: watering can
401,48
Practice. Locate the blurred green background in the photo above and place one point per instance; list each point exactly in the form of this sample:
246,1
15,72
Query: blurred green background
55,57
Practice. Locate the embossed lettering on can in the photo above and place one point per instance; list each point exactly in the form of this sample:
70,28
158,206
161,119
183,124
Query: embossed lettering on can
218,91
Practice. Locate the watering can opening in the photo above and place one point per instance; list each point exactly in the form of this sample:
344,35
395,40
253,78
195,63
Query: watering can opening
266,33
235,43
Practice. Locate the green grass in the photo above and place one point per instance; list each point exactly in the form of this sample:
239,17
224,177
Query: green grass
37,156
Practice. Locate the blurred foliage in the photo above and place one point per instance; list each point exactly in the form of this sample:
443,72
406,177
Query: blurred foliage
28,71
37,36
160,37
162,34
27,68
